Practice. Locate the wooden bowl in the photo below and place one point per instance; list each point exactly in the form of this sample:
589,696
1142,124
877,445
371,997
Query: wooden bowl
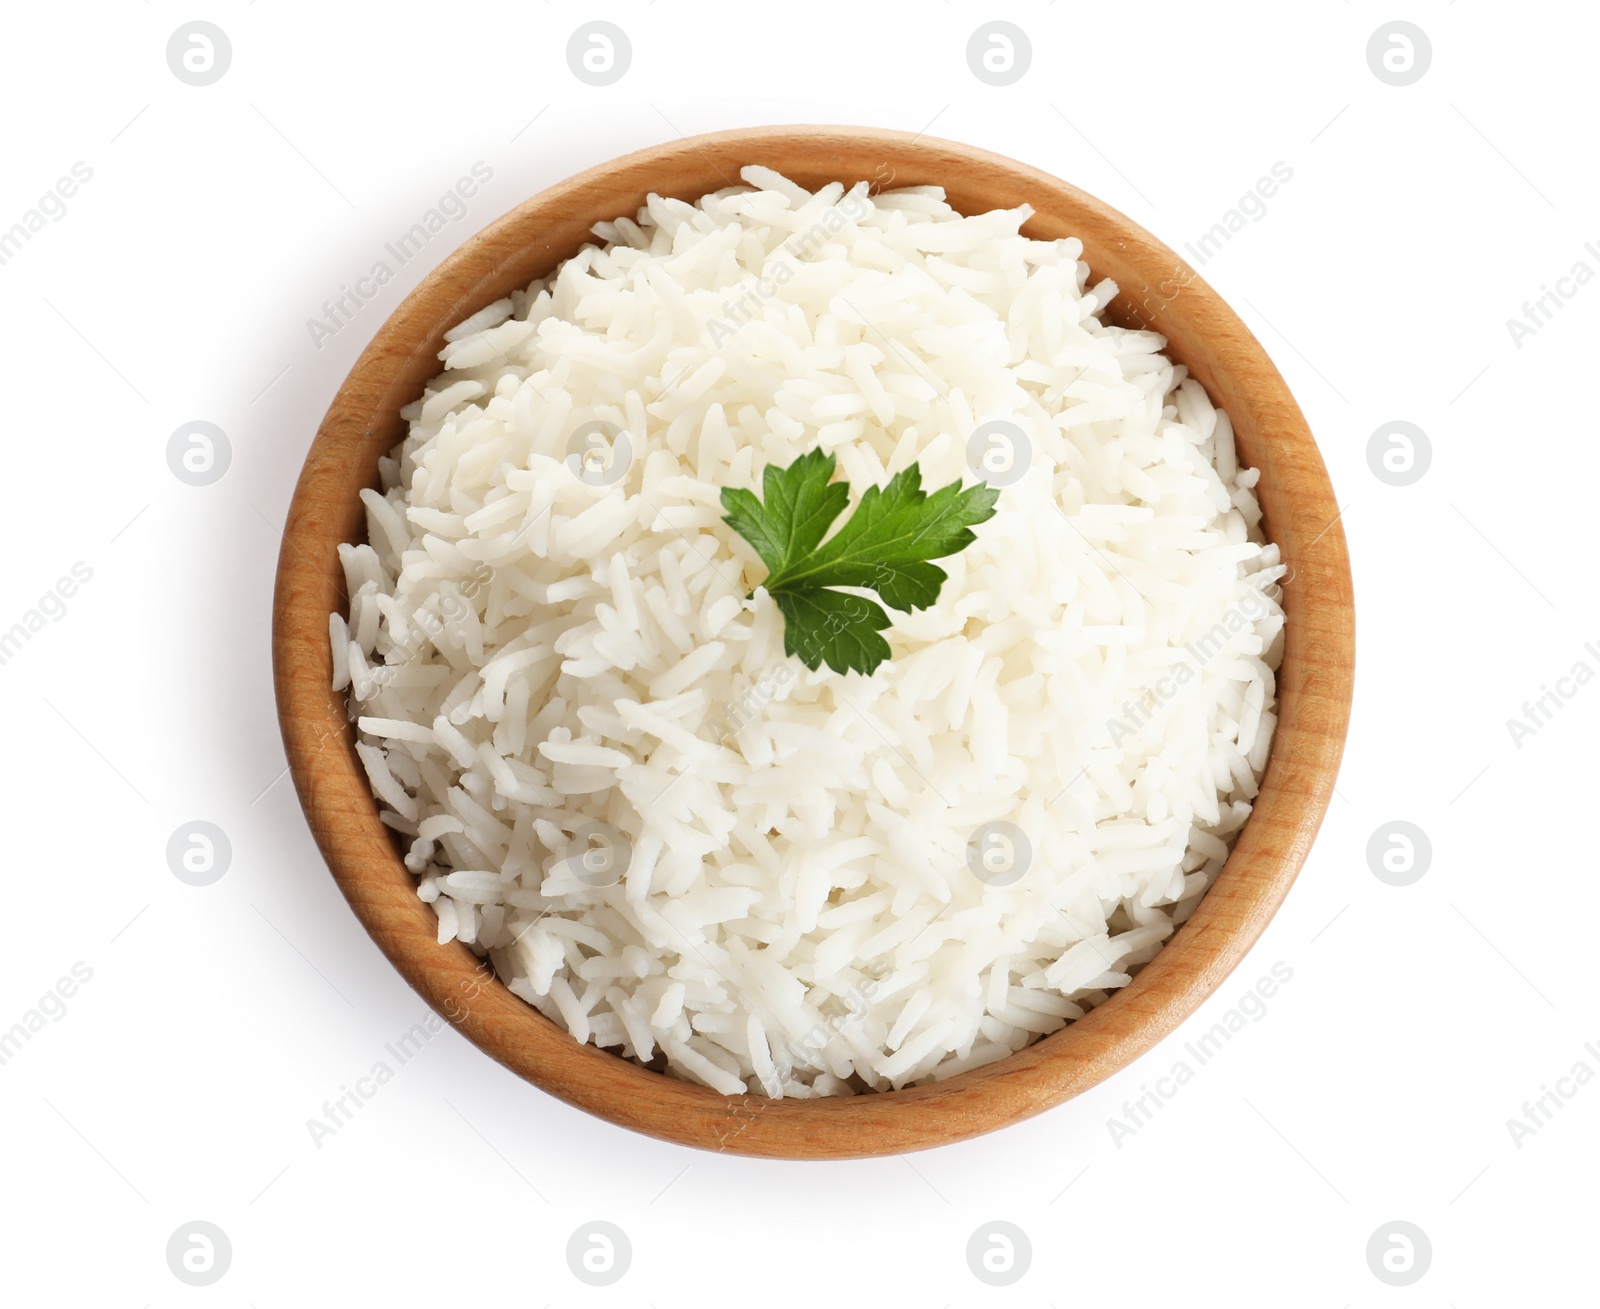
1159,291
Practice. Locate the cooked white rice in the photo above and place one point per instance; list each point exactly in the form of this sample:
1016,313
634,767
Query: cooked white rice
553,671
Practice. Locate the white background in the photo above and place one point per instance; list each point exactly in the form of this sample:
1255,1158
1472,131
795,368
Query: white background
179,1082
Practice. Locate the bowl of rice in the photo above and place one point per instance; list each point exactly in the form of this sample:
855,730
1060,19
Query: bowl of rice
814,642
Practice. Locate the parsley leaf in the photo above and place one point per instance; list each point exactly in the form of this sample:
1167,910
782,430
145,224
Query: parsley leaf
885,545
834,626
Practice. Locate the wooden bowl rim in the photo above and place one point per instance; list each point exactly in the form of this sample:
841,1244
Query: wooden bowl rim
1315,681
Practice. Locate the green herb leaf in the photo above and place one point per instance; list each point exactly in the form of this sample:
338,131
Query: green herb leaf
885,545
